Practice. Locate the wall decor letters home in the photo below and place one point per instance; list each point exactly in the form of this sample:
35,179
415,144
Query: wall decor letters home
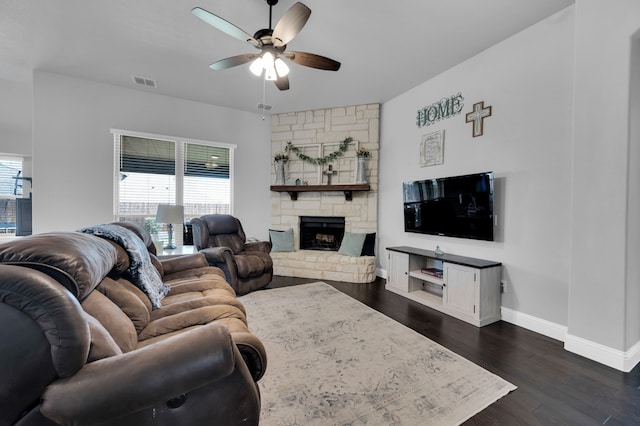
444,108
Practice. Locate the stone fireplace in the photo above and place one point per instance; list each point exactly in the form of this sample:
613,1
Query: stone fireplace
318,133
321,233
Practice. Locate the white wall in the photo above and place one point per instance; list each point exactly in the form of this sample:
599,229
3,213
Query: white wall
602,245
527,80
633,224
73,148
15,117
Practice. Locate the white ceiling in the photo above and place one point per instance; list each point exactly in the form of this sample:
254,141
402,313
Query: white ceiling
385,48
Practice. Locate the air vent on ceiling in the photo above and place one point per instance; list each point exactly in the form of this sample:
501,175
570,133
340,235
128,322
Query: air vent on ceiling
144,81
264,106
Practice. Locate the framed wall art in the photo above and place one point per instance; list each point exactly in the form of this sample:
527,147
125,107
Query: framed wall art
432,149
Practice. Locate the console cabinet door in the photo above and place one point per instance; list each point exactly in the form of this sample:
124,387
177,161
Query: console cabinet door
398,270
460,289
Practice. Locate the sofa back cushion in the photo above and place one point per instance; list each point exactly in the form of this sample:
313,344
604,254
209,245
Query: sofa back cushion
79,262
130,299
102,343
112,319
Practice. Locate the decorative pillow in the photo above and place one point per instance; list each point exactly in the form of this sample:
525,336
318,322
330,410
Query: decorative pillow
369,247
281,240
352,244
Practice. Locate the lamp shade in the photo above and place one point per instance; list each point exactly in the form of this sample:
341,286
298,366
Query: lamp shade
170,214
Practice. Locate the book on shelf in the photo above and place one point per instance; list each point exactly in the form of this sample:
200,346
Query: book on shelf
432,271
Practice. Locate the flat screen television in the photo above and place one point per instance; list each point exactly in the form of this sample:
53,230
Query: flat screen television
457,206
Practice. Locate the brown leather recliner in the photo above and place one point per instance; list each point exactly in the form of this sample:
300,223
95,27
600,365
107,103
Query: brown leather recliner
81,344
246,265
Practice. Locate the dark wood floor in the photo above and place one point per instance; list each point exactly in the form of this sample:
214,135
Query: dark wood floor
555,387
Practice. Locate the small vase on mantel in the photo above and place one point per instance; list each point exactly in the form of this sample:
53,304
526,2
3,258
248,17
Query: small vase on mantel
280,176
361,169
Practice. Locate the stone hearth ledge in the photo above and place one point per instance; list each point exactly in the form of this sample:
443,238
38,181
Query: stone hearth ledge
324,265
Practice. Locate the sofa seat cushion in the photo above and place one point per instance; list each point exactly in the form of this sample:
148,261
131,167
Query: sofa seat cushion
200,283
191,317
189,301
208,271
253,264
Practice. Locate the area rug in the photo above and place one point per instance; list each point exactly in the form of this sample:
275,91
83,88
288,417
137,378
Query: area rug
334,361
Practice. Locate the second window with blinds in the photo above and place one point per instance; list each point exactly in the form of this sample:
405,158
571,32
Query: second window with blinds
152,170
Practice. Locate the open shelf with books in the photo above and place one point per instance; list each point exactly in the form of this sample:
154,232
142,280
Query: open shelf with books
463,287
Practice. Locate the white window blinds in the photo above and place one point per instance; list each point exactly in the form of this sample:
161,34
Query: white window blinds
11,177
11,180
153,169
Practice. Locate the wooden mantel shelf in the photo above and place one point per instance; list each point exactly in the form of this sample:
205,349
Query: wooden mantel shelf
347,189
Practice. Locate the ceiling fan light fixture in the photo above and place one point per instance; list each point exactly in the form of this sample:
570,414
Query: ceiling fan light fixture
272,42
267,60
281,68
256,66
269,67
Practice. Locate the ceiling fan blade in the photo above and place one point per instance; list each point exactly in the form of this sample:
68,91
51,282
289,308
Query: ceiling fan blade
312,60
290,24
233,61
282,83
224,26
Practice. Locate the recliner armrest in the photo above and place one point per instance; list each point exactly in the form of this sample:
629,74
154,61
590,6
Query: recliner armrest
123,384
182,263
264,246
215,255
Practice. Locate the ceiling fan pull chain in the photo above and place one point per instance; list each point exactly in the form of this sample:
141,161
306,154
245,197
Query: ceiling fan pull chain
264,96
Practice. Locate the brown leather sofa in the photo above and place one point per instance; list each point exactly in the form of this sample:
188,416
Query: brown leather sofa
246,265
81,344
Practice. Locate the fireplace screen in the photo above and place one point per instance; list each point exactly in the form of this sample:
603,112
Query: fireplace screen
321,232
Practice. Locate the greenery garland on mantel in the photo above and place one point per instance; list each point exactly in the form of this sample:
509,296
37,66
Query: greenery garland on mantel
320,160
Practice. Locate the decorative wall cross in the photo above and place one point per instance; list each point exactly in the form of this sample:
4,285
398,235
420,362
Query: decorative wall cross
328,173
477,116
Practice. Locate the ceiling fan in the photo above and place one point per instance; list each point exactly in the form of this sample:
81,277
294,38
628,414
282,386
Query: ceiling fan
272,44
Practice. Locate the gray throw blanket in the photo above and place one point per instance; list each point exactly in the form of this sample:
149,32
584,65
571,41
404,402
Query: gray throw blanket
141,272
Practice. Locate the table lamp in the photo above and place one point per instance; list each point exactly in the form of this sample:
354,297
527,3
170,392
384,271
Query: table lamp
170,214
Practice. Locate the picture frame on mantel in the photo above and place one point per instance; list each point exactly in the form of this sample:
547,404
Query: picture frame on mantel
432,149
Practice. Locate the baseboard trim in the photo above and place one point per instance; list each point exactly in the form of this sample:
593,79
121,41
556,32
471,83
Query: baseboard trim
620,360
540,326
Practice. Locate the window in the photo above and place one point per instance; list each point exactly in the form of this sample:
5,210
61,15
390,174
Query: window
11,181
153,169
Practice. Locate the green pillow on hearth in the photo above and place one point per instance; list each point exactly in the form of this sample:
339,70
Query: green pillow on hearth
281,241
352,244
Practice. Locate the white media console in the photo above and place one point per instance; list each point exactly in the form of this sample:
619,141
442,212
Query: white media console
463,287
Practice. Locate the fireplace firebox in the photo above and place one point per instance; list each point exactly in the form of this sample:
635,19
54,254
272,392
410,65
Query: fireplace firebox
321,232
